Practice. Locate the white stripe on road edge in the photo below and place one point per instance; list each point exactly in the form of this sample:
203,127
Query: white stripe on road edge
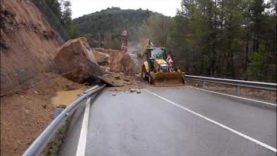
215,122
238,97
81,149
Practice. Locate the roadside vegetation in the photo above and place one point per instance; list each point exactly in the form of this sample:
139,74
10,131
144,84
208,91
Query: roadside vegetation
59,14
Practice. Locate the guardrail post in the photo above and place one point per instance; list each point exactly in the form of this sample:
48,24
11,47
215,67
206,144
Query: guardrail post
204,84
238,90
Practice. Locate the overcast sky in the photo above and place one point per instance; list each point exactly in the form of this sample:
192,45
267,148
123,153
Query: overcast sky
166,7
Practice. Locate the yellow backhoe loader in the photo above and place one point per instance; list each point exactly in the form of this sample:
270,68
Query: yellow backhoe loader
156,66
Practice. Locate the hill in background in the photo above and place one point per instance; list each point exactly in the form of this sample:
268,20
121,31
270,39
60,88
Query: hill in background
106,26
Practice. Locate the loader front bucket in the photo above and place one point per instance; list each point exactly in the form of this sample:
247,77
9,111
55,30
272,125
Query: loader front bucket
169,78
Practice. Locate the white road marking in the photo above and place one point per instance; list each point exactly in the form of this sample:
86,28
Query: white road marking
81,149
215,122
238,97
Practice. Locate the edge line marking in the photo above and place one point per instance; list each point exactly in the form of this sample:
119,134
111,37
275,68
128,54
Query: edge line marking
81,148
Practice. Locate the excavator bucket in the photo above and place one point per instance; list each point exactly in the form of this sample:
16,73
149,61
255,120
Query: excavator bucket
167,78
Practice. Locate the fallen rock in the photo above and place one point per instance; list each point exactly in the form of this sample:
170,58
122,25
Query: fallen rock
36,92
105,69
110,80
126,79
44,106
101,58
76,60
119,61
117,77
132,90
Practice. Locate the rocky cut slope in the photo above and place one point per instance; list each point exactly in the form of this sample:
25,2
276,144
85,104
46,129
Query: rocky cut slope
28,43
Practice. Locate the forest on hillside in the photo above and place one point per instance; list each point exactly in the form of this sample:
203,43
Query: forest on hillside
104,27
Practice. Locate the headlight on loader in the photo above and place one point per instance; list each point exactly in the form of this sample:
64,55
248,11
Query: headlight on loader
164,67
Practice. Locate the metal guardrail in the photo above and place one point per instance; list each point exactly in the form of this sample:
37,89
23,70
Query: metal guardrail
233,82
45,137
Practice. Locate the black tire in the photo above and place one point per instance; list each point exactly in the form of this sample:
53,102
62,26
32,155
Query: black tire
183,81
144,74
150,79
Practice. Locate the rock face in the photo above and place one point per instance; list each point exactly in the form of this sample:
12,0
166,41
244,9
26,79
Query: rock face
76,60
28,43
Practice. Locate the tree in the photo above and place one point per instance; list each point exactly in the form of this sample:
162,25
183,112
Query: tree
55,7
157,29
261,40
258,65
67,20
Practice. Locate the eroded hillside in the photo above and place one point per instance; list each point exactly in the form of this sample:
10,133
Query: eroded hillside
28,43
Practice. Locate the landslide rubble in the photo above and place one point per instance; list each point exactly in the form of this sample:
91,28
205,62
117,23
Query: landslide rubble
119,68
119,61
78,62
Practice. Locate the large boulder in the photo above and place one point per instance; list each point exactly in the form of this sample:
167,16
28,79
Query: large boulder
76,60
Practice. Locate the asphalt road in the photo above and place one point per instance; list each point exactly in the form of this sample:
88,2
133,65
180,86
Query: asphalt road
179,121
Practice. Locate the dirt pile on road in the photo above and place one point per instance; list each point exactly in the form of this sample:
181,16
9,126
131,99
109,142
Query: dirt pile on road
76,59
28,43
118,79
26,114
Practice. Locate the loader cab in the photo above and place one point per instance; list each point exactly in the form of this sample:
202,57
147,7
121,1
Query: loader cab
153,54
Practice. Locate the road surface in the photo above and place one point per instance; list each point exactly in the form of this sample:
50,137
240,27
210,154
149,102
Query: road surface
179,121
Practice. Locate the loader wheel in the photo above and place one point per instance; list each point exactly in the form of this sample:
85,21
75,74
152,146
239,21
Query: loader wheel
143,76
150,79
183,81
